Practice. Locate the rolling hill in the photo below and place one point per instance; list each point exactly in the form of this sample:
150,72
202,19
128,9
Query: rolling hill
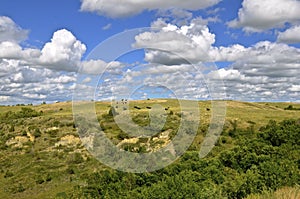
42,156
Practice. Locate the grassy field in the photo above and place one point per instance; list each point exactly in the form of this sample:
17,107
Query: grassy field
41,155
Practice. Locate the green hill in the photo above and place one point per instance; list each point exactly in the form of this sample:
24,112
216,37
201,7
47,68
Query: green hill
42,156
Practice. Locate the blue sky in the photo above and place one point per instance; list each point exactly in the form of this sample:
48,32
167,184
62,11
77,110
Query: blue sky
45,48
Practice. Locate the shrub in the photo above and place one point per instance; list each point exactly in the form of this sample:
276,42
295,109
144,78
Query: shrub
24,133
76,158
17,188
12,128
37,133
27,112
8,174
56,123
122,135
70,170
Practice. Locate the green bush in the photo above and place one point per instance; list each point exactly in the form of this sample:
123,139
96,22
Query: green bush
24,133
8,174
37,133
12,128
267,160
25,112
75,158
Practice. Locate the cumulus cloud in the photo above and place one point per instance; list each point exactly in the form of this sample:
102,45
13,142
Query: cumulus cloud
263,71
266,52
25,84
115,8
30,74
98,67
173,44
270,86
231,53
290,36
10,50
10,31
64,52
182,81
268,71
10,37
295,88
259,15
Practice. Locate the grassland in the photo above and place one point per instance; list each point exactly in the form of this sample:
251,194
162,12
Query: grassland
41,155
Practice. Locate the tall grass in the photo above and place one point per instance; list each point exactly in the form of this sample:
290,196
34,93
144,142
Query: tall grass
283,193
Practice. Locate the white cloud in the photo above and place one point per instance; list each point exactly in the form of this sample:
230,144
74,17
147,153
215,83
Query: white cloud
86,80
268,52
290,36
8,66
107,27
264,71
156,79
34,96
259,15
10,50
10,31
25,73
229,74
295,88
124,8
31,75
231,53
25,84
98,67
64,52
4,98
259,72
175,15
268,71
173,44
63,79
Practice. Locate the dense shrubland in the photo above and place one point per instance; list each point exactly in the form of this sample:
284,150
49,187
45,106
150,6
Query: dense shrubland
257,162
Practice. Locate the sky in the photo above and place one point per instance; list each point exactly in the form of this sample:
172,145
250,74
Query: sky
54,50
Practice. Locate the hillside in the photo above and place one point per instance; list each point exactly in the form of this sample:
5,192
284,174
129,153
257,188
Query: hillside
42,156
